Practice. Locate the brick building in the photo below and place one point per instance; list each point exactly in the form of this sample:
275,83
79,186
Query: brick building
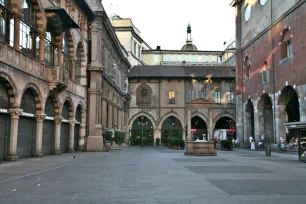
270,73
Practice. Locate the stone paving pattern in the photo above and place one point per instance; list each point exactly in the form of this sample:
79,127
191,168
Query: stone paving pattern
154,176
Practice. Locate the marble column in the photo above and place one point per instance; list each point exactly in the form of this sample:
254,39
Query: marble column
110,116
71,136
39,130
115,121
41,47
210,124
12,155
17,18
57,141
189,126
72,68
104,113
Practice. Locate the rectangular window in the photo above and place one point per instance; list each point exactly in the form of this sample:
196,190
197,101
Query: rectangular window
230,97
199,58
289,49
171,58
193,58
186,58
217,97
265,75
165,57
156,58
179,58
214,58
171,97
220,58
206,58
139,52
135,47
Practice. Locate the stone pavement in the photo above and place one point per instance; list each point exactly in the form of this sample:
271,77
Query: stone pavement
154,175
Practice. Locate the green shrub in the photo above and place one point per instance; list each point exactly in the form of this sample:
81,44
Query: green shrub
224,144
107,136
119,137
182,143
157,141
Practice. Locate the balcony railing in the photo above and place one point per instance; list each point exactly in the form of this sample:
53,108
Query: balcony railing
5,16
67,64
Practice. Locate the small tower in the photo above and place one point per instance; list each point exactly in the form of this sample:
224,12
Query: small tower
189,40
189,46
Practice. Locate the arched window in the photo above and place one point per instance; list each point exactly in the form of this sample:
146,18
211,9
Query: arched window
286,46
144,96
247,68
78,62
50,51
66,62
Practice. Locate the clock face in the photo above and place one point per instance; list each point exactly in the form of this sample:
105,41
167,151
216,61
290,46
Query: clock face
263,2
247,13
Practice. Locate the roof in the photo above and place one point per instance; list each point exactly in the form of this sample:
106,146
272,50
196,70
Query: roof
86,9
159,71
189,47
62,16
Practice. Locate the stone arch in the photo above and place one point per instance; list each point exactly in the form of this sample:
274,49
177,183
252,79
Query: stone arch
200,115
56,103
10,86
70,104
82,110
68,36
37,95
265,117
40,16
139,90
134,117
80,62
222,115
168,115
249,121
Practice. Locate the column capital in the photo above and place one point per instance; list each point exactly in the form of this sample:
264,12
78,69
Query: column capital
40,117
15,113
72,122
17,14
58,119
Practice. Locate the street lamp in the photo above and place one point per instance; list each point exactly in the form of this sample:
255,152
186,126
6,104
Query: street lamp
142,122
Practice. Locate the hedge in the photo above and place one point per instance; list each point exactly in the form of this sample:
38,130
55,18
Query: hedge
119,137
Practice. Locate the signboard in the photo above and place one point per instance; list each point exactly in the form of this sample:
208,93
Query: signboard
193,130
220,134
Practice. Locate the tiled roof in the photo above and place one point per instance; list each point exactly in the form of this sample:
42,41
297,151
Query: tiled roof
159,71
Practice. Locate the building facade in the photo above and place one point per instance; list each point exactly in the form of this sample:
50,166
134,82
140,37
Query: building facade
108,97
159,98
270,82
130,38
43,60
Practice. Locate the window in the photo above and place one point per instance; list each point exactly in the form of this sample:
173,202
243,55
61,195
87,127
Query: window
265,73
247,12
171,58
286,46
139,52
172,97
193,58
179,58
217,97
220,58
144,96
247,68
156,58
230,97
206,58
203,92
165,57
199,58
214,58
135,47
186,58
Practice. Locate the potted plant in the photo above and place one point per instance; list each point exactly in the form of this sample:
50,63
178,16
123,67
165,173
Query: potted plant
107,137
176,143
182,144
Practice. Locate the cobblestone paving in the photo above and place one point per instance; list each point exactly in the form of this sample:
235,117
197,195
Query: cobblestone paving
154,176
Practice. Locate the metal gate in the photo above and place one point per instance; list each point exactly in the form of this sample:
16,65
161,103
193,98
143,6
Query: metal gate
26,137
4,135
76,137
48,137
64,137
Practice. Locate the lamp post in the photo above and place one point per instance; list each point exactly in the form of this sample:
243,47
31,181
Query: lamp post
142,122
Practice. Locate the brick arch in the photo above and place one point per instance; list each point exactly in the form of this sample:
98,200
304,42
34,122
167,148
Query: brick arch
265,100
149,116
70,43
168,115
285,93
221,115
70,104
81,50
10,87
40,16
56,103
56,33
200,115
36,93
138,94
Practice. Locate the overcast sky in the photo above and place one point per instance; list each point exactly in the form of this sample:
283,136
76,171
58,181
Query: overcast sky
164,22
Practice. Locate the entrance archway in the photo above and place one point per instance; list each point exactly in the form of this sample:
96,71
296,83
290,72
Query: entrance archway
78,118
48,137
200,127
142,132
266,118
249,123
171,127
290,100
228,124
65,128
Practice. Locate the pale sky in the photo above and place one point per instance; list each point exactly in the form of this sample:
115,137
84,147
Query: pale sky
164,22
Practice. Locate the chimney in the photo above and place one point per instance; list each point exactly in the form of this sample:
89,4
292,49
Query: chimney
158,47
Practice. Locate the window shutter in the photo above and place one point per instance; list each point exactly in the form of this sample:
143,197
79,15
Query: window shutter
176,97
167,96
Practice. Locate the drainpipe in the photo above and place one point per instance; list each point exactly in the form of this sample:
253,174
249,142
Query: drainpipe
268,150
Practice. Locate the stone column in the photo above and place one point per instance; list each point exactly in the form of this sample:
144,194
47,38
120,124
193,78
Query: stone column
59,56
104,113
39,130
71,137
17,17
210,124
127,129
189,126
72,68
57,141
110,116
280,122
15,113
184,133
115,118
82,133
41,47
119,119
